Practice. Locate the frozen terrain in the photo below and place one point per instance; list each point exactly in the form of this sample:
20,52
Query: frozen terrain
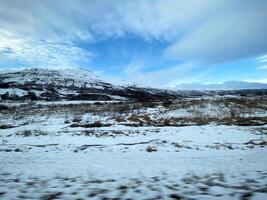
69,135
186,149
70,84
81,84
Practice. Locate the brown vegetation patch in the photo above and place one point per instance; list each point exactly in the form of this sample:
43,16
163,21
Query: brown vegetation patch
96,124
28,133
6,126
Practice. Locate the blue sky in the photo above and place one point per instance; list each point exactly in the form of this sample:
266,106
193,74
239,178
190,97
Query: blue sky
156,43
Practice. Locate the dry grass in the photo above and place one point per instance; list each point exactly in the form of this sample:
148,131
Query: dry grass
28,133
96,124
242,111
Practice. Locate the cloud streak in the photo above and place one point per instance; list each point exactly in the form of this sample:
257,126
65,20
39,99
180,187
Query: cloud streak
235,33
32,52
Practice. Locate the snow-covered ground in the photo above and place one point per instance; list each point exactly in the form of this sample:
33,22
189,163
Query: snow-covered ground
45,157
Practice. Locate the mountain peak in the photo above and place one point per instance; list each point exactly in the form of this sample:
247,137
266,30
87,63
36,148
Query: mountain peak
55,76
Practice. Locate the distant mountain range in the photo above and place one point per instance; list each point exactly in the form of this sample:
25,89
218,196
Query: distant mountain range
79,84
230,85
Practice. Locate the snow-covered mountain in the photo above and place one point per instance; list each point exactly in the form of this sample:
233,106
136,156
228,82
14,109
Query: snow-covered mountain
230,85
66,77
69,84
81,84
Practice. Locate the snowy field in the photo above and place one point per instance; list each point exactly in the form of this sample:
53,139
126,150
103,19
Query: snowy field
201,149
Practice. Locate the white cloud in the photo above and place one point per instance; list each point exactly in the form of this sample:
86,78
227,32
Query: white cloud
49,31
263,67
165,77
234,33
262,59
133,67
80,19
264,80
36,53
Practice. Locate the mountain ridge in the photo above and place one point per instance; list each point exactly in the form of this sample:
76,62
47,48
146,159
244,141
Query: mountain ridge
79,84
70,84
229,85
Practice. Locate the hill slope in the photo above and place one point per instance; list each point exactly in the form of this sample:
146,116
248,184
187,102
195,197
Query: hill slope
70,84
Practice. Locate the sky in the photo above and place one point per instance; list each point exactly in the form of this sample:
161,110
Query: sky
158,43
